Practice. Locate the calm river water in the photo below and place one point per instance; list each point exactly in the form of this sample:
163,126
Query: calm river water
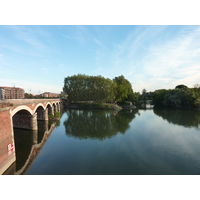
142,142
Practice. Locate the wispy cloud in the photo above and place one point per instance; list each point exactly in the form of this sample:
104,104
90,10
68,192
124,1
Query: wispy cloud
98,42
160,62
150,57
80,34
14,48
29,35
177,59
14,67
129,74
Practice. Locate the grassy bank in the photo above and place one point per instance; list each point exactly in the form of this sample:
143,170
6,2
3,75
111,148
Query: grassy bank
103,106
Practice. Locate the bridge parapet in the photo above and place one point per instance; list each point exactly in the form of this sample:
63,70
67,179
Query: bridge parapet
16,102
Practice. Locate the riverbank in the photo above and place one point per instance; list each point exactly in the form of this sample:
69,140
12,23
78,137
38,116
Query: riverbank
102,106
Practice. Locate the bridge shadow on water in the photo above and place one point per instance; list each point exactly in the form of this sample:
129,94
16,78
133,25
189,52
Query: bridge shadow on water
28,145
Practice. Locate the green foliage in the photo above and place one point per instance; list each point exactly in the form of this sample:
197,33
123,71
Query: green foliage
124,89
181,87
123,103
98,89
50,116
94,88
99,105
108,106
28,96
56,116
158,97
182,97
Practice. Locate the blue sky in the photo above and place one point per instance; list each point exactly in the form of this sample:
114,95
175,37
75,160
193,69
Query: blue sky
38,58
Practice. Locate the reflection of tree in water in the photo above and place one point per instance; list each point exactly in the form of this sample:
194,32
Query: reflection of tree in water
97,124
186,118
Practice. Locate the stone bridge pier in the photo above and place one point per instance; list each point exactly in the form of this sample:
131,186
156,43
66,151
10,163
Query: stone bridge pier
42,114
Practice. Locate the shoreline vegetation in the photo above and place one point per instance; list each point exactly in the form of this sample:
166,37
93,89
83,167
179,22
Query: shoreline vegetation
100,91
181,97
101,106
84,88
97,92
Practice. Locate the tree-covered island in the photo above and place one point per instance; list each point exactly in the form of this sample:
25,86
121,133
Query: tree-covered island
97,89
103,92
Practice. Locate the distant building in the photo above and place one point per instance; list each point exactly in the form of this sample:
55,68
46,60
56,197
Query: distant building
49,95
63,94
2,93
11,93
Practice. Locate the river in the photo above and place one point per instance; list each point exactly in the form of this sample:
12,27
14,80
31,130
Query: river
128,142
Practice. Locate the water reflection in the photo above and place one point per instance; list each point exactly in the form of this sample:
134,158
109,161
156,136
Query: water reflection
186,118
29,143
97,124
138,144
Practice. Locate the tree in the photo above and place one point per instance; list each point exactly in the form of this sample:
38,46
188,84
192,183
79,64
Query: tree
28,96
158,97
124,89
182,98
144,91
95,88
181,87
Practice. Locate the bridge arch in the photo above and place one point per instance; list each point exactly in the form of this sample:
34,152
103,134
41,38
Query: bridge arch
24,114
23,117
48,105
49,109
42,113
39,105
17,109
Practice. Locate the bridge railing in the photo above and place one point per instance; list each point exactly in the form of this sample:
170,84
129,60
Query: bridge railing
23,101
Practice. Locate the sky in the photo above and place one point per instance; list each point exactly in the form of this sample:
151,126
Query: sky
39,57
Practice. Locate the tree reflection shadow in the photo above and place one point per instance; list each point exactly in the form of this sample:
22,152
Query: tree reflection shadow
186,118
97,124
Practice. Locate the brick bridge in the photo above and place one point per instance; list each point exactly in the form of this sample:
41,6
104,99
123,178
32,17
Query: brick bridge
21,113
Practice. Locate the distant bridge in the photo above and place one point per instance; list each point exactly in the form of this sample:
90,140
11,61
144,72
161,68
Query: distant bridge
21,113
146,104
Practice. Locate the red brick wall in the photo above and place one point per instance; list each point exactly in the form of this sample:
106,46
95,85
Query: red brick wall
6,138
